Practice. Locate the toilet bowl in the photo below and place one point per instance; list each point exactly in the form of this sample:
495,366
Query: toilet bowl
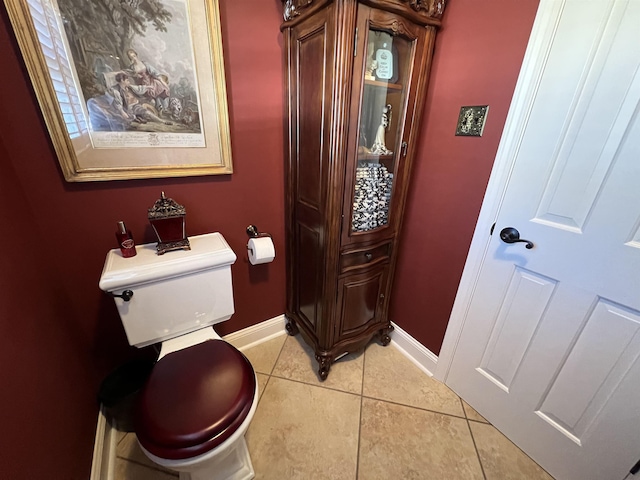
193,411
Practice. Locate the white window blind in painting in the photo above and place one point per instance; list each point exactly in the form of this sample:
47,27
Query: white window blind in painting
51,42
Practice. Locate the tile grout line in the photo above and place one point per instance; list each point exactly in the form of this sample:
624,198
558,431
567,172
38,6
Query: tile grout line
263,388
516,446
273,367
273,375
359,436
487,422
373,398
475,447
364,362
131,460
479,421
315,385
148,467
322,385
279,354
484,475
123,437
414,407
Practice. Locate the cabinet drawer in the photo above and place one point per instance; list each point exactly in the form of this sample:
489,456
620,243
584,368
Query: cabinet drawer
364,257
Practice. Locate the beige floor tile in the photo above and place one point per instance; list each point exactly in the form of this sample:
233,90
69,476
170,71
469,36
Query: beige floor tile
120,436
126,470
263,357
297,362
262,382
398,442
389,375
471,413
129,449
501,459
304,432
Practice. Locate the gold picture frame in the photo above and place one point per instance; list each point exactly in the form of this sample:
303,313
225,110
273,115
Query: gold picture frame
127,118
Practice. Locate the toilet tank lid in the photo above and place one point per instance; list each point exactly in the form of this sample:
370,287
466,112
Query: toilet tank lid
207,251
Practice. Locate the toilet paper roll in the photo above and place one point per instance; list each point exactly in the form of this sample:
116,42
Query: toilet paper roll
261,250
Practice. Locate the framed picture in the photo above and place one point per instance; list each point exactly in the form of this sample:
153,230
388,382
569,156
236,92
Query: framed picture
128,88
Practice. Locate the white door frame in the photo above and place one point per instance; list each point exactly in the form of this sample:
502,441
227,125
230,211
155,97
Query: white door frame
535,59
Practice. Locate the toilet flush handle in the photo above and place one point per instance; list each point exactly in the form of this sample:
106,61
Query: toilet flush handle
126,295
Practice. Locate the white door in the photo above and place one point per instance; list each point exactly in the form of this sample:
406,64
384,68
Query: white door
546,341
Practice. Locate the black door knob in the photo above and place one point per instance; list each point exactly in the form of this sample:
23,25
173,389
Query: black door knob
511,235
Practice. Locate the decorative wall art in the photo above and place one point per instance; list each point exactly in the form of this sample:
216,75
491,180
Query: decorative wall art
128,89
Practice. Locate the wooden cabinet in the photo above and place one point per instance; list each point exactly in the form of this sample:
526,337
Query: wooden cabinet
356,77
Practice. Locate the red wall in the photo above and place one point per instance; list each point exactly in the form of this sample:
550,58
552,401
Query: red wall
69,333
48,399
476,62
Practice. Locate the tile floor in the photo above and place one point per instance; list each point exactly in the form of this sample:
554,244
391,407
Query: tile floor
377,416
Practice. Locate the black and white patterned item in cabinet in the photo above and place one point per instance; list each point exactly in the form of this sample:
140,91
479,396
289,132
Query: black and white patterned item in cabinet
372,197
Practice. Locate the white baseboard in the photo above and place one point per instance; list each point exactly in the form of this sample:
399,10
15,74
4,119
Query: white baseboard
104,450
256,334
419,355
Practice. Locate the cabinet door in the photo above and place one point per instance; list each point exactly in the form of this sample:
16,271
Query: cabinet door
389,50
361,301
310,78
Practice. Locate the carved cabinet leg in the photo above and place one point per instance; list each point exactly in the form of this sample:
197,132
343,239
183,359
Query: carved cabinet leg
292,328
324,365
385,339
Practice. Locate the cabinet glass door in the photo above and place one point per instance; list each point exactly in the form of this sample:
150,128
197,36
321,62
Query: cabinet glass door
382,113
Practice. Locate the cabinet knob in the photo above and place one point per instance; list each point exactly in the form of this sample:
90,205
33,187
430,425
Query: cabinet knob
368,256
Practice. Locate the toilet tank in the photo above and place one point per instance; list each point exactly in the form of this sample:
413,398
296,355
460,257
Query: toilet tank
175,293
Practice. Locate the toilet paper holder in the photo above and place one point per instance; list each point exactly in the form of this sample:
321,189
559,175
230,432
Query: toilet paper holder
259,253
252,231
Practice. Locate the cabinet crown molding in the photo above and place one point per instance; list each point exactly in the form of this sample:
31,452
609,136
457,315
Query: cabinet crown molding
433,8
430,8
292,8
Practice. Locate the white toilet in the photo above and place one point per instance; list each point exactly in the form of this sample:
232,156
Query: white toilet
193,412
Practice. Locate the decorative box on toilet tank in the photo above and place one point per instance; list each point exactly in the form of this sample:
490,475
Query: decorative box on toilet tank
356,79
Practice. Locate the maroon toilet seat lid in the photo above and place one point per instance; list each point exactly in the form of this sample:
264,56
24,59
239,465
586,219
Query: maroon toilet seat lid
194,400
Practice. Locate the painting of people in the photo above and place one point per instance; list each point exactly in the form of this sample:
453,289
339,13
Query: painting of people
135,65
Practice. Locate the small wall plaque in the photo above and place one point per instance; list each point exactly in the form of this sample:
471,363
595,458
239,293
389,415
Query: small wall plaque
471,121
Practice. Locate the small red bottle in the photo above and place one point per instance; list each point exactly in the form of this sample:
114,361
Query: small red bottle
125,241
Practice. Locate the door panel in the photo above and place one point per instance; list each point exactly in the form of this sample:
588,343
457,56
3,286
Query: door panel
310,45
311,51
598,371
360,300
309,291
521,312
550,349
